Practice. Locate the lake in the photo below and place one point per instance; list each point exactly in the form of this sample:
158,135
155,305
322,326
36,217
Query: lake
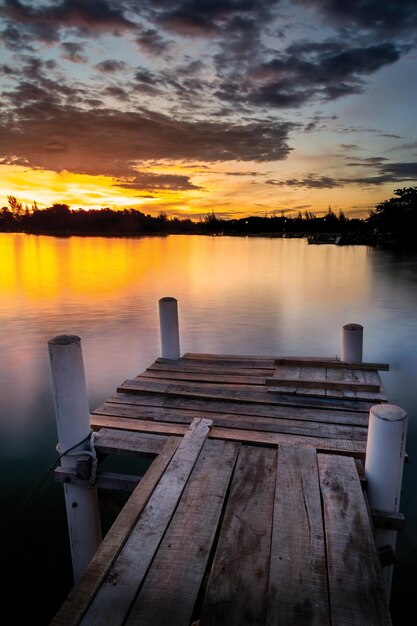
235,295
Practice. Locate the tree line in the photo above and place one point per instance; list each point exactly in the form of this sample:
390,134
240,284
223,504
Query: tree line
395,218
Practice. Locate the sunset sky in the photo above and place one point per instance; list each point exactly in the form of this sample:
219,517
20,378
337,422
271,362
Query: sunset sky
241,107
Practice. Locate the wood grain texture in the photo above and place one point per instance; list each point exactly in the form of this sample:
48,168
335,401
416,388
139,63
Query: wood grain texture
237,588
82,595
119,589
298,575
231,420
342,446
188,365
355,582
138,402
237,393
169,593
110,441
329,362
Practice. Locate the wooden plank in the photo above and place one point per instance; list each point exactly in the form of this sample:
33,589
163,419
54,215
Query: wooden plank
120,442
104,480
234,393
233,360
236,594
372,378
355,582
204,377
231,420
340,375
234,387
202,366
82,595
318,384
170,590
137,403
297,591
118,591
341,446
309,374
329,362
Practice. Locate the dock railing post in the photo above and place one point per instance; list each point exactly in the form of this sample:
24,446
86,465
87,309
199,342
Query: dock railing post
73,425
168,320
352,343
385,452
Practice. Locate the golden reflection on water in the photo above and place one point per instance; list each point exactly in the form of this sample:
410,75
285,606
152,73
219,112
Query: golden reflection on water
92,270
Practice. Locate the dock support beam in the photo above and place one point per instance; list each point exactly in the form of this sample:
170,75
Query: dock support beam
168,320
385,452
73,424
352,343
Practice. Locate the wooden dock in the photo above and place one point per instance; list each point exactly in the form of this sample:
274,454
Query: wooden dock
253,510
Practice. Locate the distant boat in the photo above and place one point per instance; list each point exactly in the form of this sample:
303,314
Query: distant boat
320,238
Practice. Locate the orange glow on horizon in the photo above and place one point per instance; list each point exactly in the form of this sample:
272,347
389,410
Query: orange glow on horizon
228,189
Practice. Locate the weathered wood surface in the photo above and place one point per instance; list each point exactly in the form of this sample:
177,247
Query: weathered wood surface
355,582
169,593
137,405
312,428
356,448
104,480
298,573
119,589
110,441
239,393
230,534
329,362
252,511
237,590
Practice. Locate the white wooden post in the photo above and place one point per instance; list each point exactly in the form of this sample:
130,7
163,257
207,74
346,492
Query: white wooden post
385,451
352,343
73,424
168,320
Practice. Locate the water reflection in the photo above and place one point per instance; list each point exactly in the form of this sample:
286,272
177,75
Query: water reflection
236,295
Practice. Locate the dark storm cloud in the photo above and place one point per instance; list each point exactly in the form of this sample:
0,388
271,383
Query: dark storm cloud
150,181
387,17
206,17
325,70
384,173
109,141
44,21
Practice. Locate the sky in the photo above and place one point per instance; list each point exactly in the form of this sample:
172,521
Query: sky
189,107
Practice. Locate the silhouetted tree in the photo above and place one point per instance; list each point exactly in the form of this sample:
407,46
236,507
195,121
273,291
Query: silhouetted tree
398,215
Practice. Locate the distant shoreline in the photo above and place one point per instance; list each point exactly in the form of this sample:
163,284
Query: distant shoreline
313,238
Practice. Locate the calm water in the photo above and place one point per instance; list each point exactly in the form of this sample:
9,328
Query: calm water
236,295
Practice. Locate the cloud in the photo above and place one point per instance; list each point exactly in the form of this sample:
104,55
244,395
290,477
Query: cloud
151,42
73,51
194,17
110,66
380,17
44,21
312,181
306,71
104,141
152,182
385,173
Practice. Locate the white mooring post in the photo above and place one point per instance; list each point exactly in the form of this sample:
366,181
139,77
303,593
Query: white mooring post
168,320
352,343
73,424
385,451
